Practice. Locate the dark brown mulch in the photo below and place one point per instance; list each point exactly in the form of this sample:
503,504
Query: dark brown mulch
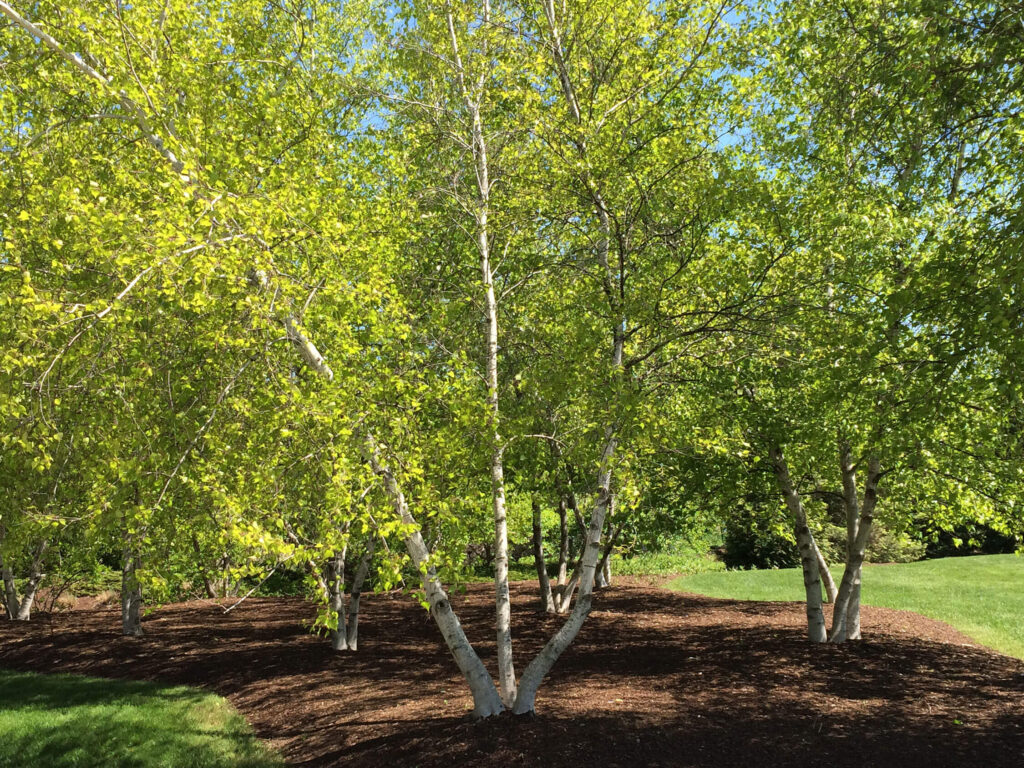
655,679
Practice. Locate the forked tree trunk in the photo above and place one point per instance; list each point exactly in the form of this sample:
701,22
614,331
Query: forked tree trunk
547,602
809,562
538,669
486,701
24,611
567,588
20,609
357,590
850,585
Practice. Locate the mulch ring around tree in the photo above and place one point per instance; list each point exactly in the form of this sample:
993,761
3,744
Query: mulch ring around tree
655,678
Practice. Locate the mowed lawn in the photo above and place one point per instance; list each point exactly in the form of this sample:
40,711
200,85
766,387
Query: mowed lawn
981,596
53,721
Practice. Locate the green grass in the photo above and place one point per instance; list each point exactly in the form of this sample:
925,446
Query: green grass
666,563
53,721
981,596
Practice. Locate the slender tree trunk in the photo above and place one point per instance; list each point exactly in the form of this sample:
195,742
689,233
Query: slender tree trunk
852,506
563,543
357,590
11,602
808,561
852,573
336,599
826,576
131,594
10,594
502,600
566,593
486,701
604,567
211,591
547,602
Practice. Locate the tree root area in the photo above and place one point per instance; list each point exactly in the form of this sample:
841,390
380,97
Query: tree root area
655,679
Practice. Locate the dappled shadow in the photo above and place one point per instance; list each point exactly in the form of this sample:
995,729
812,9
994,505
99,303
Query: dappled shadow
655,678
61,721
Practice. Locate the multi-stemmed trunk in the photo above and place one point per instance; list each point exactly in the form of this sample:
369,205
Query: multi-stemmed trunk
805,540
566,584
538,669
486,701
352,625
20,608
345,635
859,516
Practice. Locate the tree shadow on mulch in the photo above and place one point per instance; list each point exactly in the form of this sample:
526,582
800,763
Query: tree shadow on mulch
655,679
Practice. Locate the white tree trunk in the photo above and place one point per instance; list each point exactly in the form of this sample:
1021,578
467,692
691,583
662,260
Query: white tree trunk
547,602
336,599
604,567
852,507
826,576
131,595
809,562
563,543
502,600
20,609
486,701
357,590
850,584
604,573
24,612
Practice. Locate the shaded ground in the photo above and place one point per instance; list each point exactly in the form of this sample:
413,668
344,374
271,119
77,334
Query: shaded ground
655,679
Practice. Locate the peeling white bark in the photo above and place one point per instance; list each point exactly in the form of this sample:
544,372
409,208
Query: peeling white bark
809,562
486,701
850,584
20,609
826,576
852,507
502,600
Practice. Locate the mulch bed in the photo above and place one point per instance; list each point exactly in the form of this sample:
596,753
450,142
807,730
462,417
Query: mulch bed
655,679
